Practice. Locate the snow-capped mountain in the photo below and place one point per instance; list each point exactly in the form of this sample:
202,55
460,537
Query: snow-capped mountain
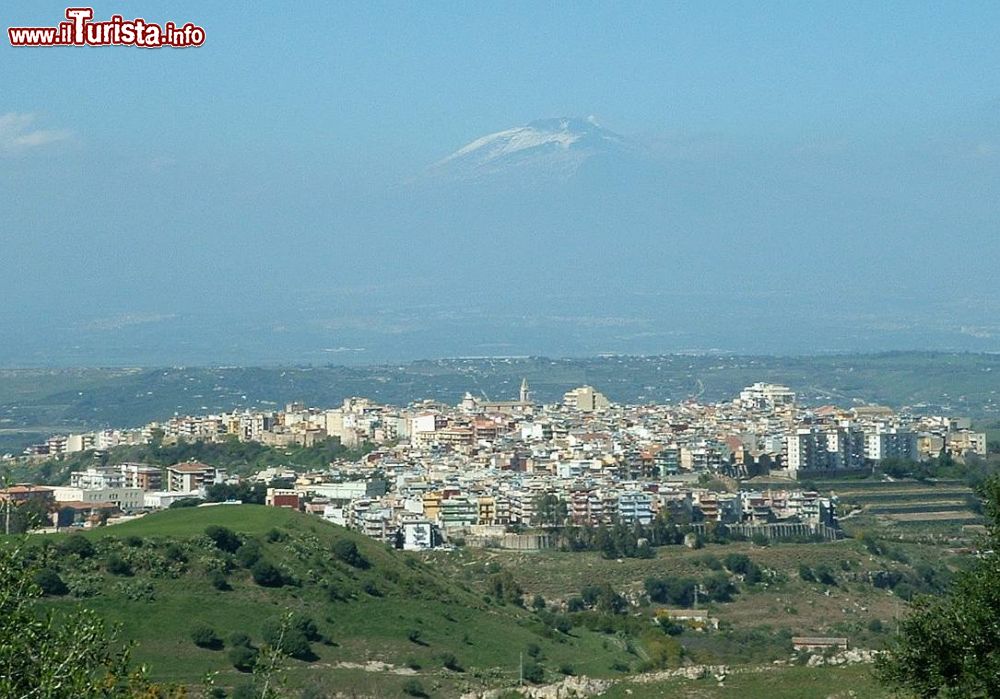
547,147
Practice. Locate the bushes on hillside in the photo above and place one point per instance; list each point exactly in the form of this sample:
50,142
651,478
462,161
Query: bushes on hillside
413,688
450,662
243,657
266,574
50,582
77,545
225,539
671,590
219,581
603,598
292,636
118,565
533,672
204,636
505,589
249,553
347,551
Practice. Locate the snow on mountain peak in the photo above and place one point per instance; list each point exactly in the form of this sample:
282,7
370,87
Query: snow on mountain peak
561,144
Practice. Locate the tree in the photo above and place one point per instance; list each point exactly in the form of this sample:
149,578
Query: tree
950,645
288,637
267,575
243,657
550,510
347,551
413,688
50,583
224,538
76,656
204,636
78,545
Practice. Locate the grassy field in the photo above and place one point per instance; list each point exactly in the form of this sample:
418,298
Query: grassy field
366,620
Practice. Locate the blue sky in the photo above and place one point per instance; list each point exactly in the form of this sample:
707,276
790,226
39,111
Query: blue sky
412,81
136,184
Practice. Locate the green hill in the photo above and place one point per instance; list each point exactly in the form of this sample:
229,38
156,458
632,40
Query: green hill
160,577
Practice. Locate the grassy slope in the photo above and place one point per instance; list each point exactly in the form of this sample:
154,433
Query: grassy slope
486,638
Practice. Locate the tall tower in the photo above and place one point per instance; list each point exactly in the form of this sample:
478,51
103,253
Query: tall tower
525,393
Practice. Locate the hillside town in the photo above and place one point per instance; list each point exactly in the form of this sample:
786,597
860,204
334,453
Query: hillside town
500,473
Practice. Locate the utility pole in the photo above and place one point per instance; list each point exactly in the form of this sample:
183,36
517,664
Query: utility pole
520,671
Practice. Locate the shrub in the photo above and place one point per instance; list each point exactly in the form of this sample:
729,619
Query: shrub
118,565
824,574
533,650
719,588
450,662
562,623
805,573
575,604
243,658
567,669
415,636
347,551
219,581
533,672
239,638
275,535
267,575
77,545
50,582
289,639
538,603
413,688
225,539
371,588
248,554
205,637
738,563
175,553
306,626
133,541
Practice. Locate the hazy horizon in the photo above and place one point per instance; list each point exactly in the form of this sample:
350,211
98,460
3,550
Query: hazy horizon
785,179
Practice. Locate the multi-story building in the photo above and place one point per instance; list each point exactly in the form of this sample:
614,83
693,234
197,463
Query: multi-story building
766,396
891,443
825,449
585,399
189,477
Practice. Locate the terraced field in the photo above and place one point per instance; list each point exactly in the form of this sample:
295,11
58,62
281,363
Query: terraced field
909,504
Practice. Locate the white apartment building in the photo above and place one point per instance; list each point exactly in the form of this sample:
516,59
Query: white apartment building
891,443
766,396
826,448
125,498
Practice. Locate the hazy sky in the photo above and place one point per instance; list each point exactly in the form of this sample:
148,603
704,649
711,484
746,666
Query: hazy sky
140,185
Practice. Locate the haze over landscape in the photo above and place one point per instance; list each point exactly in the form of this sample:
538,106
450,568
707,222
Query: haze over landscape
310,192
499,349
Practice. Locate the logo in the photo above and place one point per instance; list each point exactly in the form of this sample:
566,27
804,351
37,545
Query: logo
79,29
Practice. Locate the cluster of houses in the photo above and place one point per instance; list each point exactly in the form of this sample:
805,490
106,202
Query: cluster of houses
483,468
